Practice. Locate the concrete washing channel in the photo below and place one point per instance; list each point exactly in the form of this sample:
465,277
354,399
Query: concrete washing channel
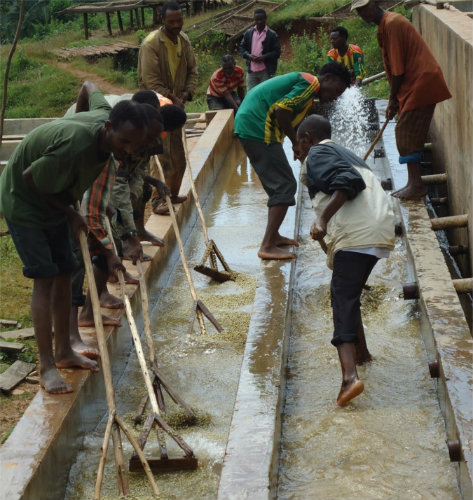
268,434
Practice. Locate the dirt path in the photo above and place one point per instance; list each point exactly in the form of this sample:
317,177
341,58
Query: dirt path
104,85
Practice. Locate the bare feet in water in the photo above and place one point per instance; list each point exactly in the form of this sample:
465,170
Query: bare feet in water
349,390
275,253
282,241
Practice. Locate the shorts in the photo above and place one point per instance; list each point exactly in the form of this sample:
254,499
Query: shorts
273,169
45,252
412,128
350,273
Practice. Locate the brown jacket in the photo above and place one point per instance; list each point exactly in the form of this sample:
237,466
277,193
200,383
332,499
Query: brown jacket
153,66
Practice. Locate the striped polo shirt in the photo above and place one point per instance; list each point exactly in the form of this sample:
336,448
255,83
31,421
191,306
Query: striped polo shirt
221,83
256,119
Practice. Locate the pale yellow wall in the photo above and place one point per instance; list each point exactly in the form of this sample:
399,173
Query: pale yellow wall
449,34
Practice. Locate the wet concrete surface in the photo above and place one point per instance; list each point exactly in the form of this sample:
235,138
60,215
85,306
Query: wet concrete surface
204,369
390,441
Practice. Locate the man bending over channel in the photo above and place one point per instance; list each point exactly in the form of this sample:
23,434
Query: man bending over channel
354,213
46,174
269,112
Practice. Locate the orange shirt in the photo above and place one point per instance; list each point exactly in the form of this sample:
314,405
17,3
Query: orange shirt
406,53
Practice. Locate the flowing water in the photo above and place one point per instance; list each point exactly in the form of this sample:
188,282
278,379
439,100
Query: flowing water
388,444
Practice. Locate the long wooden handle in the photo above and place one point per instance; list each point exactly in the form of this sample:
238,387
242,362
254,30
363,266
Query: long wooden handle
134,333
177,232
377,138
146,318
194,190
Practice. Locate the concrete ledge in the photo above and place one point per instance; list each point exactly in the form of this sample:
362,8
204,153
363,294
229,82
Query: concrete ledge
445,332
250,465
36,458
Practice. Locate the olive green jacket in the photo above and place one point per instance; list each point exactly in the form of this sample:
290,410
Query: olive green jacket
153,66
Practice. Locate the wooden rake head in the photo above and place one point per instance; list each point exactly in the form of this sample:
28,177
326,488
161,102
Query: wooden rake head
212,253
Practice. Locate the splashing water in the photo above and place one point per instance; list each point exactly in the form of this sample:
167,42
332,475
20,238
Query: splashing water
349,117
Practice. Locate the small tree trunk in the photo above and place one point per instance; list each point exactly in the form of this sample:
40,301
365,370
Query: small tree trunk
7,68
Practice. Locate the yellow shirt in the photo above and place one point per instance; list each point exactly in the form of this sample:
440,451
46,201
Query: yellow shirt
174,54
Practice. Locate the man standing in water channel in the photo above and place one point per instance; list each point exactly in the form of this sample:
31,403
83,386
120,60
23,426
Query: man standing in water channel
417,85
354,213
269,112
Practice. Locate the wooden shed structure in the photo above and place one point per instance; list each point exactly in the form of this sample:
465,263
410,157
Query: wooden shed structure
134,8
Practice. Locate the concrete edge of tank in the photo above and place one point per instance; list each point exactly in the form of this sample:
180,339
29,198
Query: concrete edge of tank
446,335
36,458
251,460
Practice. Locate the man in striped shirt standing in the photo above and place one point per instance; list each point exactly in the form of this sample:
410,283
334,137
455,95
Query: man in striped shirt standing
223,84
271,111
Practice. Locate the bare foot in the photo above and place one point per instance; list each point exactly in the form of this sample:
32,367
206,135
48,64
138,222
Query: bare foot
109,301
154,240
53,383
85,350
161,209
275,253
349,390
75,360
129,279
178,199
410,192
85,321
282,241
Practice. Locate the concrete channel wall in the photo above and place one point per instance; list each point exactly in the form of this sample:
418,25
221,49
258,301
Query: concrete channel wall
36,458
449,34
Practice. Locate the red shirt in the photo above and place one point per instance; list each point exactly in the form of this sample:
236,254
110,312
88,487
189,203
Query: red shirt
220,83
406,53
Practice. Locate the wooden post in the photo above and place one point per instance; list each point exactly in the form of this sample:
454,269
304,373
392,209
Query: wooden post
86,26
434,179
120,22
155,16
137,14
449,222
109,25
131,19
143,17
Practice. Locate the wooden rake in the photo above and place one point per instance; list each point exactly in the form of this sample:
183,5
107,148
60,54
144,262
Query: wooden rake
212,252
198,307
158,381
114,422
164,463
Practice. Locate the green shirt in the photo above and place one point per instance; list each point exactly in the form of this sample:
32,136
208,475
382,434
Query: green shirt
64,159
256,120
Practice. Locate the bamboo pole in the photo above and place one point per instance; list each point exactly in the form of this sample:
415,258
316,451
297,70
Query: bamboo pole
106,369
181,248
374,78
146,319
7,67
376,139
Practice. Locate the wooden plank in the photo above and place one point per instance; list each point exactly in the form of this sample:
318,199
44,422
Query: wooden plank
8,322
24,333
15,374
11,346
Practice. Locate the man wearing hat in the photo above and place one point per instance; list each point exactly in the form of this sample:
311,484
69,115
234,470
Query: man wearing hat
417,85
